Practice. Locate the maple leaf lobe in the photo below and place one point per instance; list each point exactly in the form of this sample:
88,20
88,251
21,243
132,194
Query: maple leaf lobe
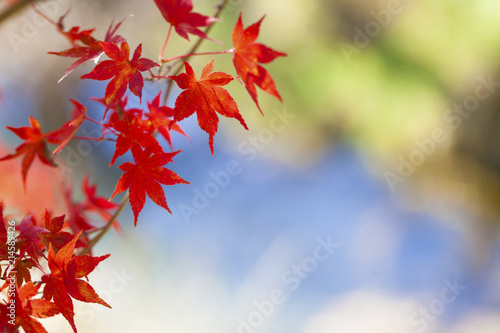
206,97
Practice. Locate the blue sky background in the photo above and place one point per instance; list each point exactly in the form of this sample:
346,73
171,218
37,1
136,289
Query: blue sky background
319,179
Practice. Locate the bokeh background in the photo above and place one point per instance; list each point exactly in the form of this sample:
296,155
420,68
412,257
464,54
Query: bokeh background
367,202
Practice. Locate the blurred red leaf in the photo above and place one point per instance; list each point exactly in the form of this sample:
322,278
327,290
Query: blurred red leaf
160,119
85,47
178,14
36,141
26,308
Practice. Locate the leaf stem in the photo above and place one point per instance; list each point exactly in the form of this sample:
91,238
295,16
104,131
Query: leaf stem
94,121
196,54
162,52
90,138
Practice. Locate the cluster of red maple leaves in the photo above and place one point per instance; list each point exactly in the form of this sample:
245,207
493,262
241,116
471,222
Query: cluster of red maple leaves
58,247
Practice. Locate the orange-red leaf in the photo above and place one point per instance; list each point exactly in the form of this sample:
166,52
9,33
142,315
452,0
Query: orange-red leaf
36,142
56,237
178,13
206,97
248,55
133,133
85,47
25,309
145,177
29,235
35,145
121,70
160,119
68,130
63,282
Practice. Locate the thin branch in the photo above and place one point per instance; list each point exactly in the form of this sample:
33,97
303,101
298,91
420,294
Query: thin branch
89,138
108,225
162,52
197,54
7,13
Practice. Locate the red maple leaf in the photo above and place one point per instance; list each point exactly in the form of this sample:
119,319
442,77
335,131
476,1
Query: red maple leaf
85,47
178,14
145,177
68,130
76,218
81,214
160,119
247,55
36,141
28,238
133,133
56,236
35,145
97,204
206,97
122,71
26,310
65,279
117,106
22,269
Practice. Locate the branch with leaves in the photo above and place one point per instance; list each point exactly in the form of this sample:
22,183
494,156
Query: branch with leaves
60,247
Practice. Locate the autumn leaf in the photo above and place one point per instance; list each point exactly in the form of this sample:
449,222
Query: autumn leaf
68,130
121,70
248,55
27,309
22,269
133,133
178,14
65,281
94,202
206,97
56,236
97,204
160,119
85,47
144,177
75,216
117,106
81,214
29,235
36,141
35,145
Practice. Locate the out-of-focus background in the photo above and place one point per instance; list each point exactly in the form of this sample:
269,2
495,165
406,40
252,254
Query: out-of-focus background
368,201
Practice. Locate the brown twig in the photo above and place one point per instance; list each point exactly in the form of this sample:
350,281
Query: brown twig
108,225
18,6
